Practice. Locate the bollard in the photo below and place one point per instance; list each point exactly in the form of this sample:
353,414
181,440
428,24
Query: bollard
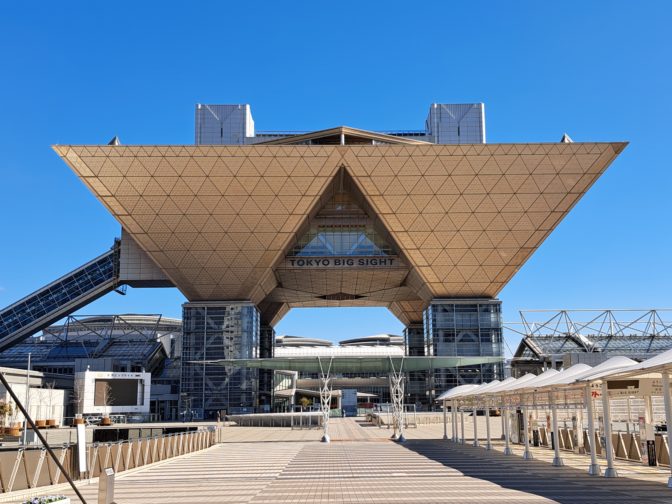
106,486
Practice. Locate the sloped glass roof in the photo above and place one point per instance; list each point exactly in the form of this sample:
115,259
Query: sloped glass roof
342,228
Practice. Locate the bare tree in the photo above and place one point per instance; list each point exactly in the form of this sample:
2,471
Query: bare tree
50,387
107,400
77,399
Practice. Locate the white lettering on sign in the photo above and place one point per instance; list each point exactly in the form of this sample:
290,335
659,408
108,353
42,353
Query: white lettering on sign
341,262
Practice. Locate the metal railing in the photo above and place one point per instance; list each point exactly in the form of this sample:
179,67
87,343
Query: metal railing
24,469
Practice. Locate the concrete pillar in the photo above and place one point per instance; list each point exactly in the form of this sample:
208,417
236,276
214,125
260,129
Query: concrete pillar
453,420
610,471
594,469
667,399
462,425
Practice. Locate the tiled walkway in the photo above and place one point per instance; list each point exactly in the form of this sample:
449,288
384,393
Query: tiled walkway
257,465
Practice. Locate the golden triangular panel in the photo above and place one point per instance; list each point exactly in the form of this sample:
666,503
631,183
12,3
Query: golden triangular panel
465,218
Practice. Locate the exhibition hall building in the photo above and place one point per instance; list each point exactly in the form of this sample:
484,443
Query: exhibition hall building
248,224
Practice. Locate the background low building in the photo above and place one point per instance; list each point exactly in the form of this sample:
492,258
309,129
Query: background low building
559,339
44,401
108,343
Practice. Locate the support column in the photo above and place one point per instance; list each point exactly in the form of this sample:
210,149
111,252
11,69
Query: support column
527,454
667,400
462,424
488,443
649,429
507,431
266,349
594,469
419,382
610,471
502,415
557,461
453,410
218,330
445,421
579,432
325,397
474,412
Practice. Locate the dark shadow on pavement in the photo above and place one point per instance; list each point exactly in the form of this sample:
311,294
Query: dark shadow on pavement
565,485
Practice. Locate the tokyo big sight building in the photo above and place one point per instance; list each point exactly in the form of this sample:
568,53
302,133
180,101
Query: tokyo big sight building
429,223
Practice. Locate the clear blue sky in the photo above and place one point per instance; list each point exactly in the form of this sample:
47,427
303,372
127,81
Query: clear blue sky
600,71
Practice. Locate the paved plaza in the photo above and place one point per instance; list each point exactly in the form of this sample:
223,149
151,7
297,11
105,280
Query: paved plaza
361,465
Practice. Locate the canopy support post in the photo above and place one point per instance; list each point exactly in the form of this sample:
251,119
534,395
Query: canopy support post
445,421
396,378
668,417
325,398
453,412
462,425
610,471
594,469
474,411
507,431
557,460
579,432
527,454
488,443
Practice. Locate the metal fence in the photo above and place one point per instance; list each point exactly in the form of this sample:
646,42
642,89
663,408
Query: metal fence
24,469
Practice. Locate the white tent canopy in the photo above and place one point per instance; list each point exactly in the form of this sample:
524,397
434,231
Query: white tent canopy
615,365
661,362
564,377
456,391
532,384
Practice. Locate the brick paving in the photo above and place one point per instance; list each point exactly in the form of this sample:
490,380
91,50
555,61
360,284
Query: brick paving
275,465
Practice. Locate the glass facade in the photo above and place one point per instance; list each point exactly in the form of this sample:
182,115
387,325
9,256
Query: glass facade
266,349
342,228
78,287
456,328
218,331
